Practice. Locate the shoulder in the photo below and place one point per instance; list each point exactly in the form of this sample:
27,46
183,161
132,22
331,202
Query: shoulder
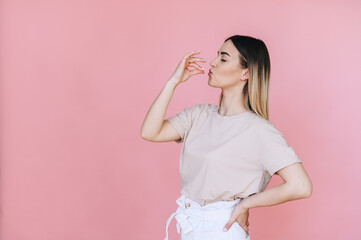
264,128
202,106
199,107
192,112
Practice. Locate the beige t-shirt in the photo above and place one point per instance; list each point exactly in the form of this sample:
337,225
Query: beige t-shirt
226,157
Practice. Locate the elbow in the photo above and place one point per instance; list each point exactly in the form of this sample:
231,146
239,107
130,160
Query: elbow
143,134
299,190
147,137
144,137
306,190
309,192
306,193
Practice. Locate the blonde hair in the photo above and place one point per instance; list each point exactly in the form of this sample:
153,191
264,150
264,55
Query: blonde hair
254,56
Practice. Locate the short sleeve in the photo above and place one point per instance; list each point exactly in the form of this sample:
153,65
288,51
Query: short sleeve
276,153
183,121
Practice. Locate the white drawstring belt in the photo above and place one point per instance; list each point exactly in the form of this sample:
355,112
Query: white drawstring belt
184,211
182,219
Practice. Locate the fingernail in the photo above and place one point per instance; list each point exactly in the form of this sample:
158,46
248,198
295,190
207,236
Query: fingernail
204,59
224,229
202,68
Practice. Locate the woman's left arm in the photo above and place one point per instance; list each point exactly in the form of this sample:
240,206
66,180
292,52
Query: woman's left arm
297,185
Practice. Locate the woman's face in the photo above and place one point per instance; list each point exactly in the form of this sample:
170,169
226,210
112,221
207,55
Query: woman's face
226,69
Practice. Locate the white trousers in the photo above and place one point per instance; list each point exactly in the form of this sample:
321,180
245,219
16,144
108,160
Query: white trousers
197,222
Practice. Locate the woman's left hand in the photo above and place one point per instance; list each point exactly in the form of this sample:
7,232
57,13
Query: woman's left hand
239,214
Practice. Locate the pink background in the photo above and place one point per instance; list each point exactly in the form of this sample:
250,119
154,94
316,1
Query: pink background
77,78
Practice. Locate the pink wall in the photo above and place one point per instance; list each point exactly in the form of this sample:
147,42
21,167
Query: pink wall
77,78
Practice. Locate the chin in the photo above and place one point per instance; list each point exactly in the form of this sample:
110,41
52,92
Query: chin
210,84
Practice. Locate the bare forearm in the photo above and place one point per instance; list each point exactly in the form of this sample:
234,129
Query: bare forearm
273,196
153,121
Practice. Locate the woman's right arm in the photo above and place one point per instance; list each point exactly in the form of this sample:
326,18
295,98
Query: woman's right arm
154,127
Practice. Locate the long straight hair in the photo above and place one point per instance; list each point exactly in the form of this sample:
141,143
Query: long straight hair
254,56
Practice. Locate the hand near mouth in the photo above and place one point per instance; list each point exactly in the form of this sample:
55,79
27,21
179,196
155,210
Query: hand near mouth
182,73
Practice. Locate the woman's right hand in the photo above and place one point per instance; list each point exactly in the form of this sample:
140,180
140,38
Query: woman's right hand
182,73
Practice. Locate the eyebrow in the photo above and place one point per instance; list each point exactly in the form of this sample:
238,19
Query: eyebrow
226,53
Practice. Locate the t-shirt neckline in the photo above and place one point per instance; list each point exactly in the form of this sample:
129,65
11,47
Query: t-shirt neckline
229,117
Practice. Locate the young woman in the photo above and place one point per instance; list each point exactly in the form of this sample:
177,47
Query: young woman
230,151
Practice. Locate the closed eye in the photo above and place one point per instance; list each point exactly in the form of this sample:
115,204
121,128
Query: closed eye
223,60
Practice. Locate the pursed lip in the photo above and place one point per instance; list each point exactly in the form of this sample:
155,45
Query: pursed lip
210,71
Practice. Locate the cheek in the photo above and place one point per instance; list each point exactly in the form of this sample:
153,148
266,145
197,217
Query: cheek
228,71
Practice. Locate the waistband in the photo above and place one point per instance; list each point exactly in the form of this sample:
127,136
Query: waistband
220,210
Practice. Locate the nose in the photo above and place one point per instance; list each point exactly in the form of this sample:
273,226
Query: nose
212,64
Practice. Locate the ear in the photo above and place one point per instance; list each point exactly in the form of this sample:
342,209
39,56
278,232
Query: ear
245,74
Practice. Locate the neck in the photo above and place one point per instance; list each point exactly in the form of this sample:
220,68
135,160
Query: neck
231,104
